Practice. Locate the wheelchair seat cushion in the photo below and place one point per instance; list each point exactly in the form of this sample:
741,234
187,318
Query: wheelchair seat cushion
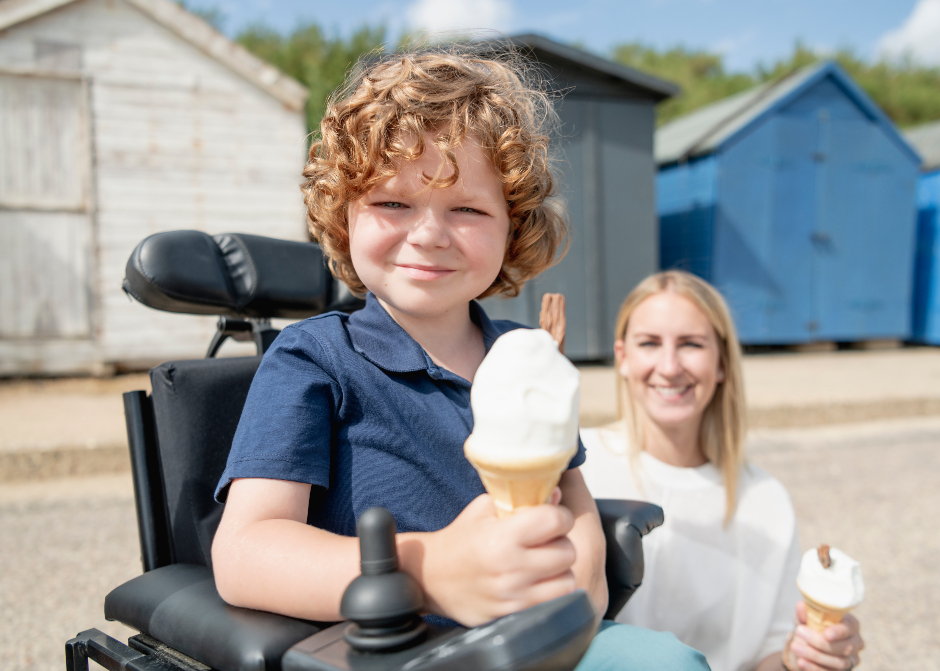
179,606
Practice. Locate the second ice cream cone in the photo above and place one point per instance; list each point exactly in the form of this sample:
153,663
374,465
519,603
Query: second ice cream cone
819,616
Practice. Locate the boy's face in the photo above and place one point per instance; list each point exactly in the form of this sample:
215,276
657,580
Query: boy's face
425,252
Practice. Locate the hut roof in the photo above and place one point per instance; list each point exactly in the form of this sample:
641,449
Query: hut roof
705,130
190,28
558,54
926,140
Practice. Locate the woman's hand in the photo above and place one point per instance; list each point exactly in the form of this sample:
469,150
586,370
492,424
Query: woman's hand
481,567
837,647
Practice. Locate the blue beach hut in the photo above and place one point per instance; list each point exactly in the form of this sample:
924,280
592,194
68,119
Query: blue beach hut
926,304
796,199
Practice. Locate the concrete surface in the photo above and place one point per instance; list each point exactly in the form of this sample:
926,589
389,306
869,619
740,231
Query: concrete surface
869,489
58,428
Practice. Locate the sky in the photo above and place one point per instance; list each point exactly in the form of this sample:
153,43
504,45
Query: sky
746,32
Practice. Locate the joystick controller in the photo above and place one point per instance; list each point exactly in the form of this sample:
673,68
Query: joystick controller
385,632
383,603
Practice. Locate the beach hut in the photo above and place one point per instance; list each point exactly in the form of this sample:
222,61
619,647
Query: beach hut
606,163
796,199
926,304
118,119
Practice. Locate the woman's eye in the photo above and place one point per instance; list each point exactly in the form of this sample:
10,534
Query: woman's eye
648,343
689,343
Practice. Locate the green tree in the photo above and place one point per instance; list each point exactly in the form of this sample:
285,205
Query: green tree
701,75
907,91
317,60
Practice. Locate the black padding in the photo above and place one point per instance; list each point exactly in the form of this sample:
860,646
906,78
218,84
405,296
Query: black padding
196,407
231,275
180,606
625,523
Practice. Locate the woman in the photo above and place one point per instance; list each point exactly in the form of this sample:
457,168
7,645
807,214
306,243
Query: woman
721,572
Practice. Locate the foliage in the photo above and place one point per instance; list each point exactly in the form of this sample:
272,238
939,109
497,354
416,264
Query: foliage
317,60
701,75
907,91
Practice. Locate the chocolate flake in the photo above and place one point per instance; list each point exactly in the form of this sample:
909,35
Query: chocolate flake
552,318
824,558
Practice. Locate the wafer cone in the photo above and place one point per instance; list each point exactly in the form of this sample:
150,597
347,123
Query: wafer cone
819,616
521,483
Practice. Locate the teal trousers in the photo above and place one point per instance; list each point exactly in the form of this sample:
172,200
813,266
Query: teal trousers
622,647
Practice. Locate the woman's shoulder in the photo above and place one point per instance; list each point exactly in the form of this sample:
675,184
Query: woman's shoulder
765,498
606,442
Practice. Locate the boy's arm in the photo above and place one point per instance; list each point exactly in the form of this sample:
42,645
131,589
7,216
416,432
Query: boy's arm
477,568
265,556
587,537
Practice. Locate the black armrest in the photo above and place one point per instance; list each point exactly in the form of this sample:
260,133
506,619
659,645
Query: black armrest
179,606
230,275
625,523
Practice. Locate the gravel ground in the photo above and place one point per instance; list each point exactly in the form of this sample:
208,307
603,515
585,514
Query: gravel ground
873,491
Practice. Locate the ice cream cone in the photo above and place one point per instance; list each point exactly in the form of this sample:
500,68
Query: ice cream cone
520,483
819,616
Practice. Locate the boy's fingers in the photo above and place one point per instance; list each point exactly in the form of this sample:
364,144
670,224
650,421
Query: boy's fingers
540,524
551,559
556,496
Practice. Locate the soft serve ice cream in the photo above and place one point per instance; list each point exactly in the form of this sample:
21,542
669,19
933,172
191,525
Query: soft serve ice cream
831,583
525,419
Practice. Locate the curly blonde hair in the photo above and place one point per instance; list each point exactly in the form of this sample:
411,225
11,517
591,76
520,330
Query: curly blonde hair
377,122
723,426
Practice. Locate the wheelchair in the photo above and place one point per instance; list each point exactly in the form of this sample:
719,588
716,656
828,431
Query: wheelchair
179,437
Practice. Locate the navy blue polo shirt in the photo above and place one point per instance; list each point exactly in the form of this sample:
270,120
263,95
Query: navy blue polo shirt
353,405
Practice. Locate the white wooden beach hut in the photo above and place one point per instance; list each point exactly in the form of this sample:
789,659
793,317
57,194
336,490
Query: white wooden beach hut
119,119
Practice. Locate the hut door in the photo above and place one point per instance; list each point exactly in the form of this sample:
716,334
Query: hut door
858,242
45,223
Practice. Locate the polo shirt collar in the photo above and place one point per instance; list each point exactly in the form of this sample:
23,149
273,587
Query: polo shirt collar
379,338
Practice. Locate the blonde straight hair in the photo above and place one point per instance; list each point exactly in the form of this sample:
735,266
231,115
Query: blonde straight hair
721,434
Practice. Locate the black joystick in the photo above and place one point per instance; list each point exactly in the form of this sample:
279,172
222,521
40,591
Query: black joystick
383,603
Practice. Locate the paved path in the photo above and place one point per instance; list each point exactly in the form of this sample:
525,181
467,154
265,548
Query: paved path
58,428
870,489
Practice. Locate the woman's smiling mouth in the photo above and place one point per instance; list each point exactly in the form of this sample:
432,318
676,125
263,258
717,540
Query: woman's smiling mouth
671,392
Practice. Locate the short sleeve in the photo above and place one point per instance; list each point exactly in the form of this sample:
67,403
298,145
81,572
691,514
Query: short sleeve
579,457
285,430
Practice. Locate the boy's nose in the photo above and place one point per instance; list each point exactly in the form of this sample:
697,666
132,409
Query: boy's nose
428,230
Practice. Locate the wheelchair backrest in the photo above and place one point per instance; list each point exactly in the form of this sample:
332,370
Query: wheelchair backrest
180,436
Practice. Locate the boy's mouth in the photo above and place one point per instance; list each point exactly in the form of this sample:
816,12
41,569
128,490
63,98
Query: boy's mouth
421,272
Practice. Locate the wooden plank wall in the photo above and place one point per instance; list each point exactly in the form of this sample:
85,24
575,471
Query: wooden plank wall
180,142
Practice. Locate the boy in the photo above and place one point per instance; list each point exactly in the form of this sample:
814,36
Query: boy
427,190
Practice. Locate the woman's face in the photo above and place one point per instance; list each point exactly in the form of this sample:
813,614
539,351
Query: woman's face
669,357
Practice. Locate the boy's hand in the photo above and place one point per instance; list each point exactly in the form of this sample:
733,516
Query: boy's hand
481,567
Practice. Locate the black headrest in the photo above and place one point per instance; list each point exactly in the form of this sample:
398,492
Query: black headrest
231,275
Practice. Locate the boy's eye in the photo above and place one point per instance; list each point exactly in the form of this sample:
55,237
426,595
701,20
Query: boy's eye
391,204
469,210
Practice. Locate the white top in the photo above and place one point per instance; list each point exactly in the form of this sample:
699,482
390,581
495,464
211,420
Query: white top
728,592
